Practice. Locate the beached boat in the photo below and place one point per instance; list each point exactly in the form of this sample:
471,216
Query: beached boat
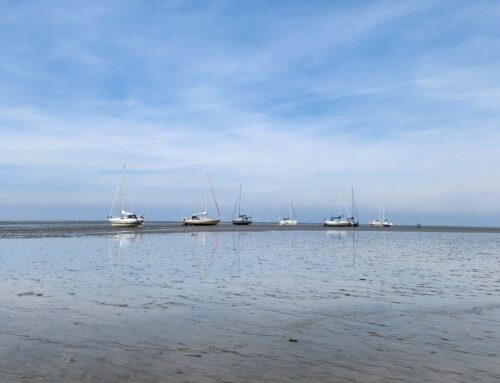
377,222
291,219
202,219
241,219
382,221
126,219
349,220
338,221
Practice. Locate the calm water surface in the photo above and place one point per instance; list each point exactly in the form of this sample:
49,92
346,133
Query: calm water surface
251,307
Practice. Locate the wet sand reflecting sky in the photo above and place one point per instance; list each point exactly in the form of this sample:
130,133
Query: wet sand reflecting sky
326,306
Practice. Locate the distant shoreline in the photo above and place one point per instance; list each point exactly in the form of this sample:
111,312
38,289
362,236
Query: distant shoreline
40,229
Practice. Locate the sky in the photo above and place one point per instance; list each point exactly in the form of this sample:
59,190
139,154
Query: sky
399,100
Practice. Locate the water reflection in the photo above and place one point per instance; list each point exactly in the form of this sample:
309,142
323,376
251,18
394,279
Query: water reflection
210,245
117,248
179,302
339,235
236,247
344,239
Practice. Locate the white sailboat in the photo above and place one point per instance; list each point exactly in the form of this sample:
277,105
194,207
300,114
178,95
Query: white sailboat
202,219
348,220
377,222
291,219
126,219
242,219
382,221
386,222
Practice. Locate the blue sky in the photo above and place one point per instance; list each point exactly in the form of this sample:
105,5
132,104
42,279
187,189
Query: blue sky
400,100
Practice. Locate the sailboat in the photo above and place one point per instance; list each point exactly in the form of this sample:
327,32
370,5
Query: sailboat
341,220
289,220
126,219
242,219
386,222
382,221
354,218
377,222
202,219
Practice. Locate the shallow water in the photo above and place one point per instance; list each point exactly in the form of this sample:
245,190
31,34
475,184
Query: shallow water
252,306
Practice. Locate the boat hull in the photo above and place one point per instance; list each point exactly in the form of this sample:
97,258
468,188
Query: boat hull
287,222
201,222
241,222
337,223
377,223
125,222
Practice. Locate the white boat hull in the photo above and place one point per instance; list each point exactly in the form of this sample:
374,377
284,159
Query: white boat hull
125,222
201,222
287,222
338,223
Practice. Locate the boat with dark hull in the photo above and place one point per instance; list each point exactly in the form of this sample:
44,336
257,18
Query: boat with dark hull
241,219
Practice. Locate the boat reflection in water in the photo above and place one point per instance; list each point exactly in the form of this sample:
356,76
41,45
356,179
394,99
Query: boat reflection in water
346,242
117,248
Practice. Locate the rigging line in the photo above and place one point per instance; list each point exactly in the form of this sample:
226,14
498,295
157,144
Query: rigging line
124,178
239,206
293,209
213,195
114,198
345,206
354,207
236,204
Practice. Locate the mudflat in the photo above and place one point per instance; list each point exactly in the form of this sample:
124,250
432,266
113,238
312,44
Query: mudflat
259,304
96,228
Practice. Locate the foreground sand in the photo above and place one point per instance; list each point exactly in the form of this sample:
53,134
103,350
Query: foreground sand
298,305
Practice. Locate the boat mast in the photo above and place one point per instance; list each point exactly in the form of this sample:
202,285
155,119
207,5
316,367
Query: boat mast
352,203
124,174
239,204
354,207
338,203
117,190
236,203
385,207
206,195
290,208
293,209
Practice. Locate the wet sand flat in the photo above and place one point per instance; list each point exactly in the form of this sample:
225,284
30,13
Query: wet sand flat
97,228
250,306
